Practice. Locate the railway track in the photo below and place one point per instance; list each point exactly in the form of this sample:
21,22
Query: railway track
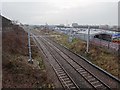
89,77
61,73
72,56
93,80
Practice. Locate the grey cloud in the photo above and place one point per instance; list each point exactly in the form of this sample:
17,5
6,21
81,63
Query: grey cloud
41,12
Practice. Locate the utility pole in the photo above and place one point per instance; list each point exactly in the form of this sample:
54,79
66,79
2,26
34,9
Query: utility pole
88,38
70,36
29,47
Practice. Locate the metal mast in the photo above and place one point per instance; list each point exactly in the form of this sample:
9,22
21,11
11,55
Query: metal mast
29,47
88,38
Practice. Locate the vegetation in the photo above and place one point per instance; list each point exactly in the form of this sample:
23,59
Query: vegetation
96,55
16,71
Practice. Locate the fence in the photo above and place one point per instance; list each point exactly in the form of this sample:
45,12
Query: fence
113,47
106,44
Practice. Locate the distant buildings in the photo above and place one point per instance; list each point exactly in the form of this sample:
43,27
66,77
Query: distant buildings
111,28
104,27
74,24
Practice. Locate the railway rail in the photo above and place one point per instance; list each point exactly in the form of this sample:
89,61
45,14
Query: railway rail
72,54
48,48
89,77
61,73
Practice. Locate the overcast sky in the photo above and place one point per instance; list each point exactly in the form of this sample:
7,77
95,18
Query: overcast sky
62,11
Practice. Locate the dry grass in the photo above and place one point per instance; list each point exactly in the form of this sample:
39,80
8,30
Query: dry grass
107,61
14,41
96,55
17,72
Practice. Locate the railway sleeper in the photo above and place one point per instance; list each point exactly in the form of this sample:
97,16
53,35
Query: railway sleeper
95,82
70,84
68,81
79,69
92,79
83,72
86,75
103,87
63,74
98,86
59,70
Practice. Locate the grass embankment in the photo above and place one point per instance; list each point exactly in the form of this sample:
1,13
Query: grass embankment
96,55
16,71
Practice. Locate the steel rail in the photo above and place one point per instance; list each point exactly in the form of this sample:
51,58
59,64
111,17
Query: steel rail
83,75
59,70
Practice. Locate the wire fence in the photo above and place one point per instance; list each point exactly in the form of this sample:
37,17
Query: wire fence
111,46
